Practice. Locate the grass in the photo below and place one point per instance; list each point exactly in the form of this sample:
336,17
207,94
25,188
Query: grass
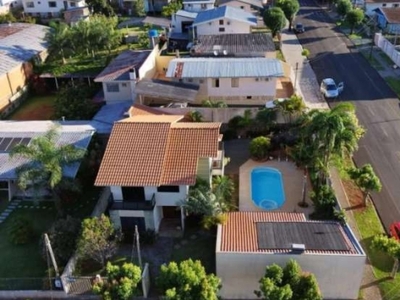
386,58
394,83
372,60
369,226
279,55
35,108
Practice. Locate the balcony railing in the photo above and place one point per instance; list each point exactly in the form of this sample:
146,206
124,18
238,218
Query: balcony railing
218,162
142,205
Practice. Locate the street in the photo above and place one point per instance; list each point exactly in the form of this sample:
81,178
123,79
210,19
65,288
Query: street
333,55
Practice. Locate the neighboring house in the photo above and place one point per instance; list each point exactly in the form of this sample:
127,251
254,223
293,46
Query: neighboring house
74,15
250,241
22,132
7,5
247,5
234,45
198,5
223,20
154,5
371,5
182,21
49,9
388,19
120,76
150,162
20,43
243,81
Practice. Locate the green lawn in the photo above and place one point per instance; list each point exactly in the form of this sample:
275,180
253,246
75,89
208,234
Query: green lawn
35,108
386,58
372,60
394,83
369,225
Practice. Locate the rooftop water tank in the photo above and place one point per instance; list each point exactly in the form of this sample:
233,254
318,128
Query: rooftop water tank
153,33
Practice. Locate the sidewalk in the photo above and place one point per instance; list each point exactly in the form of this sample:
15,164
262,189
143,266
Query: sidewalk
307,86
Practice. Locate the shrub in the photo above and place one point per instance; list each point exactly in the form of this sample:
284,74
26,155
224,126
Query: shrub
259,147
21,231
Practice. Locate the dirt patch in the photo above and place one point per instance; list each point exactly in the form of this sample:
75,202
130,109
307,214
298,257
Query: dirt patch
354,194
44,112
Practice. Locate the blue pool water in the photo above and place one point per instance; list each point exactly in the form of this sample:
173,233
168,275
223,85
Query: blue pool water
267,190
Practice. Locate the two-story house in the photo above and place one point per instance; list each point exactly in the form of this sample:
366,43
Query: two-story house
371,5
237,81
49,9
388,19
150,162
250,6
223,20
198,5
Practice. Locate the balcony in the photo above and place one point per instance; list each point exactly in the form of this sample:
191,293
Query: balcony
218,162
139,205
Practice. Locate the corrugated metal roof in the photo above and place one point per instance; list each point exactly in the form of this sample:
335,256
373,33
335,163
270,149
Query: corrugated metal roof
186,14
224,67
70,133
227,12
19,43
255,3
170,90
198,1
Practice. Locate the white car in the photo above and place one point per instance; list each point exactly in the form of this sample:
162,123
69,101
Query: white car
330,89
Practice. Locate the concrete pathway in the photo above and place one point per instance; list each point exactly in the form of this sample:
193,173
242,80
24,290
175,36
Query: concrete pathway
10,208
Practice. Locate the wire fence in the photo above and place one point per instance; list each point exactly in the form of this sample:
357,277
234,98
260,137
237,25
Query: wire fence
33,283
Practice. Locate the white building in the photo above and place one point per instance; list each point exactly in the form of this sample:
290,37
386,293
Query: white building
182,21
6,5
198,5
120,76
371,5
49,9
223,20
250,241
245,81
250,6
150,162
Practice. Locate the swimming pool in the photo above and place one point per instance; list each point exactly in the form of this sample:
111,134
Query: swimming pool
267,190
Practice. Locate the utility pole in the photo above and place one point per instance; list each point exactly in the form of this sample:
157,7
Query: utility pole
53,259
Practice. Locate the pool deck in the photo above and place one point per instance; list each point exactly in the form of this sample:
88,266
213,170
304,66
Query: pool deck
292,182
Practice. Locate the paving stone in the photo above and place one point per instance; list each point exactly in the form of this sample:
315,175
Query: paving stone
25,206
177,246
193,237
8,210
184,242
5,214
20,206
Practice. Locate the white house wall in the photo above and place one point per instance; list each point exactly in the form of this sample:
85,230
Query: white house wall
338,276
157,217
117,193
247,87
166,199
43,8
196,7
124,94
369,7
234,27
148,68
176,22
239,5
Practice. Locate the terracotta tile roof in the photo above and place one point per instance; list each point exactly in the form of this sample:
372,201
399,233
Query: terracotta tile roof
392,14
239,233
140,109
157,151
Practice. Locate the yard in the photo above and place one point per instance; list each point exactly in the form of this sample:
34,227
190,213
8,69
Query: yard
35,108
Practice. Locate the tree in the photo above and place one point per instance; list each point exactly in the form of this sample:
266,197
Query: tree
59,40
98,239
187,280
366,180
170,9
216,104
224,186
259,147
289,8
291,107
74,102
139,8
45,161
120,283
8,17
354,18
195,116
274,19
390,246
289,283
100,7
343,7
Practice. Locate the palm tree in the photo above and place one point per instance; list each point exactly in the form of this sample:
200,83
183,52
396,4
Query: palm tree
59,40
195,116
292,107
46,160
224,186
217,104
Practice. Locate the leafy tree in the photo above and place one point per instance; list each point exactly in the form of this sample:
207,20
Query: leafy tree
274,19
289,283
291,107
259,147
139,8
216,104
390,246
290,8
195,116
265,118
60,41
98,239
366,180
187,280
8,17
100,7
170,9
354,17
343,7
120,283
74,102
224,186
46,160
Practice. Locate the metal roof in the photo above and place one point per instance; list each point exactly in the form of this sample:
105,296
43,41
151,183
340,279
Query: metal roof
167,90
70,134
224,67
227,12
198,1
162,22
186,14
19,42
255,3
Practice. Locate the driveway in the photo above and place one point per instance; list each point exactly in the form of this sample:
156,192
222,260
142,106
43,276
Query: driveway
333,55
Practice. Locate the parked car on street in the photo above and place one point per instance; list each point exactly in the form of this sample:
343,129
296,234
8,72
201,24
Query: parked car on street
330,89
394,230
298,28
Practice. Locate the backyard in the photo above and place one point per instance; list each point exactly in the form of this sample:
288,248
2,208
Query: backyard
35,108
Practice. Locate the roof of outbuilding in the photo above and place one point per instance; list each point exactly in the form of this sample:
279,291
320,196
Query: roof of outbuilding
186,14
224,67
255,3
168,90
392,14
154,150
19,42
118,68
228,12
242,233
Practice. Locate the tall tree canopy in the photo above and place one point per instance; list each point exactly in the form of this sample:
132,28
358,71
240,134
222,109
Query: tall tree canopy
290,9
274,19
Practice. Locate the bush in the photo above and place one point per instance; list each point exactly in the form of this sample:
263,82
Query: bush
259,147
324,201
21,231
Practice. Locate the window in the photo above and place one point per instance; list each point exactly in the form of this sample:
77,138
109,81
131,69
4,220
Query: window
124,84
221,22
203,6
3,185
201,81
72,4
215,83
395,5
190,80
112,87
383,4
30,4
235,82
168,189
242,7
248,97
222,29
52,4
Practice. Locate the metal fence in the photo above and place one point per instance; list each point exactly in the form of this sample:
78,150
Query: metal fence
34,283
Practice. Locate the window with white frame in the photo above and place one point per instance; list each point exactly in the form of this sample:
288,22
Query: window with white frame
234,82
222,29
30,4
215,82
52,4
221,22
112,87
72,4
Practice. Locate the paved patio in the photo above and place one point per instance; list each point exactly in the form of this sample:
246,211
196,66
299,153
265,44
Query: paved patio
292,181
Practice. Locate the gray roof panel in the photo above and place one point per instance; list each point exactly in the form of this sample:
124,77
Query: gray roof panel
227,12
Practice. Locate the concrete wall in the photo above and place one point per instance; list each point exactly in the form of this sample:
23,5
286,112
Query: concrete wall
213,28
338,276
43,8
247,87
388,48
204,168
166,199
176,22
148,68
157,217
124,93
162,63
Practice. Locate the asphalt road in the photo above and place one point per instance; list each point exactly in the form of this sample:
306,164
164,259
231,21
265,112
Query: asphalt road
377,107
